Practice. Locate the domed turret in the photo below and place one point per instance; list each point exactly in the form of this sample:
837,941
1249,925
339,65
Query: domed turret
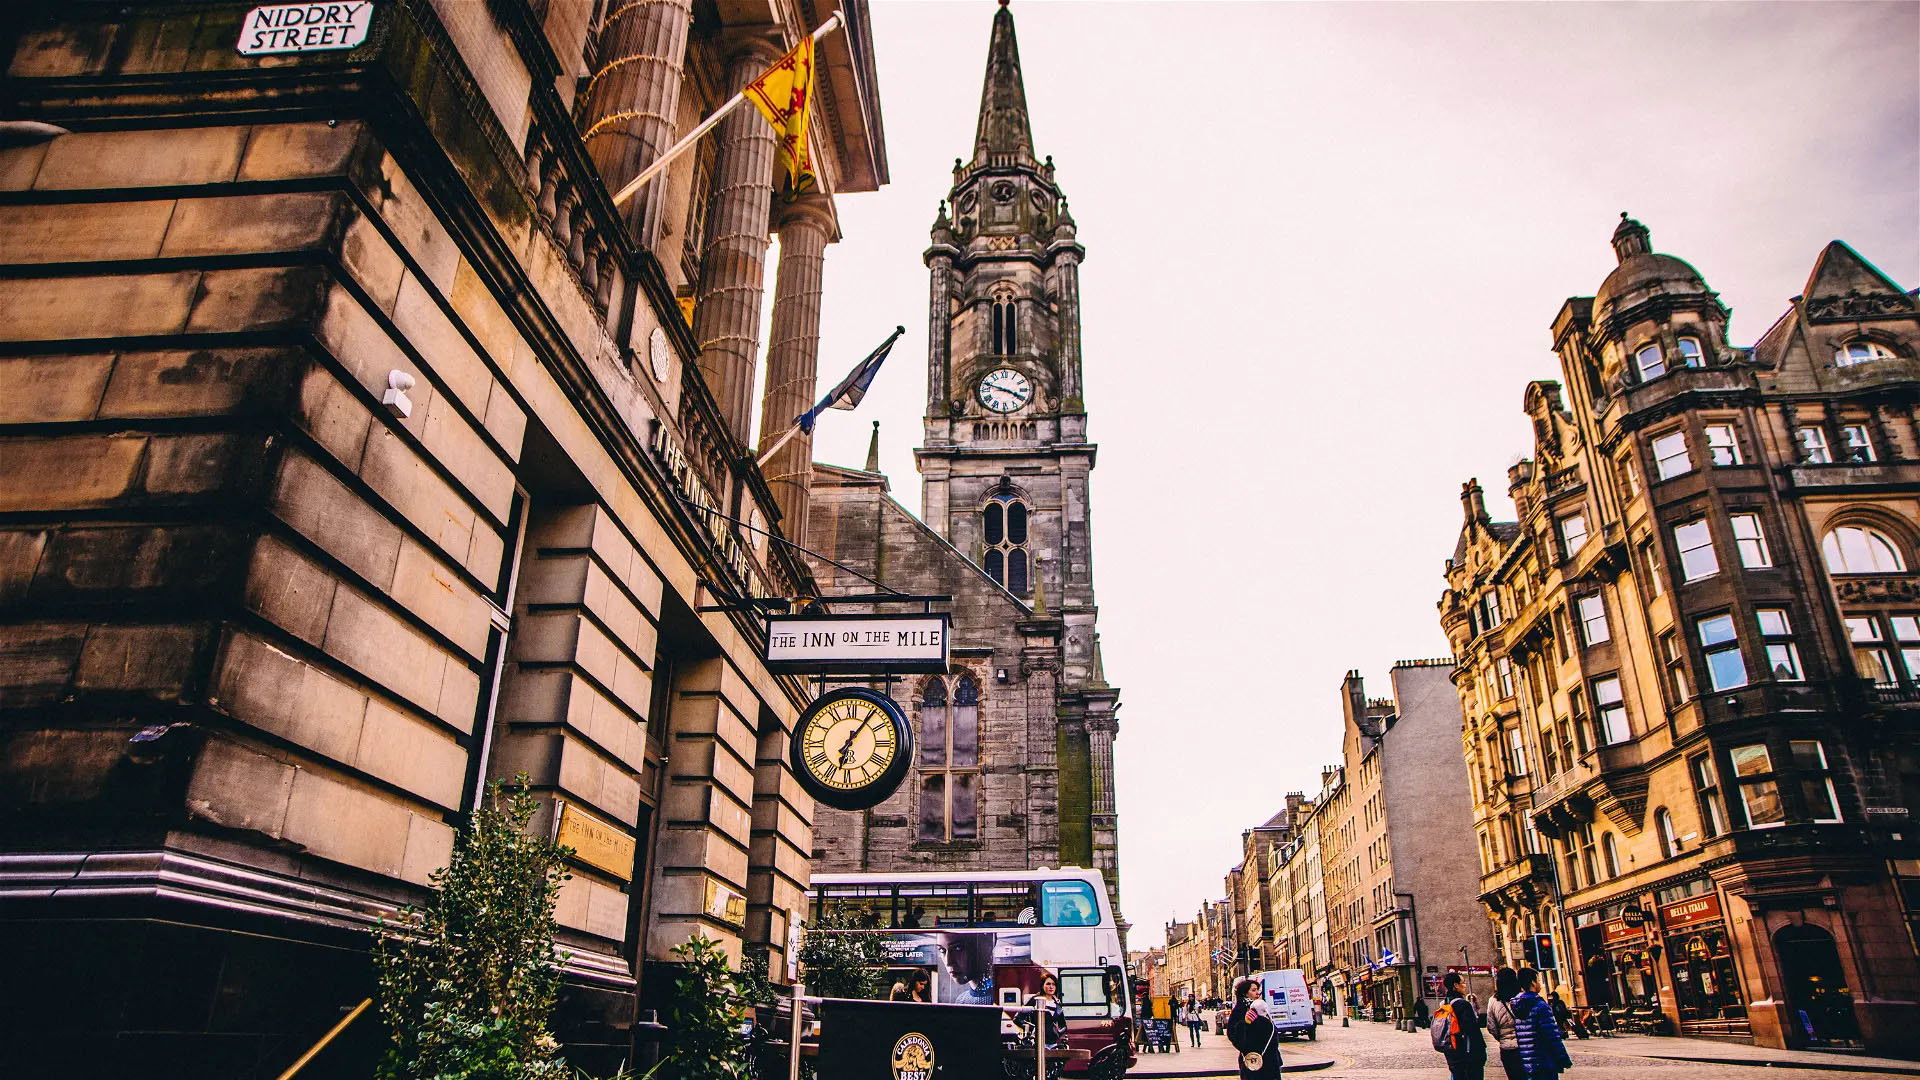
1641,271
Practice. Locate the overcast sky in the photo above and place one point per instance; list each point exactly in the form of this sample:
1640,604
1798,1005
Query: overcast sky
1324,244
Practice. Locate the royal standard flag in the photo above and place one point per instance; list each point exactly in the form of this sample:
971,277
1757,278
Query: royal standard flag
784,95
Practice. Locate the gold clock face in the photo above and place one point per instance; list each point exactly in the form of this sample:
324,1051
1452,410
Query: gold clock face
849,744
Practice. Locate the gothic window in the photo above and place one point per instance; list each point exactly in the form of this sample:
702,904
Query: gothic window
949,760
1004,325
1856,549
1005,532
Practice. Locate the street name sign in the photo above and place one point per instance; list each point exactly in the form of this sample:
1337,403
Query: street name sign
857,644
295,28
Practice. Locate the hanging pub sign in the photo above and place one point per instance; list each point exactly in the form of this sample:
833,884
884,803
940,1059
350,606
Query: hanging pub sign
1633,915
294,28
857,644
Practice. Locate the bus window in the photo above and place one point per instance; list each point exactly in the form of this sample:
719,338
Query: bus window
928,906
1005,903
1083,994
862,905
1067,903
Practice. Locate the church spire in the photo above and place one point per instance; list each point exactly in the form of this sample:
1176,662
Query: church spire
1004,136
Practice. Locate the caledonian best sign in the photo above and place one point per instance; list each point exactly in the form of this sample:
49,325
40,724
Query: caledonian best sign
294,28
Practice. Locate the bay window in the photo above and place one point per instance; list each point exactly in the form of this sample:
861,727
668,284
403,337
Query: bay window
1610,710
1783,659
1726,669
1859,444
1670,458
1593,619
1813,445
1750,540
1816,781
1722,447
1695,542
1758,788
1706,790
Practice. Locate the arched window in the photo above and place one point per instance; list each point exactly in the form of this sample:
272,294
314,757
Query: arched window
1610,855
1004,529
1690,352
949,760
1005,325
1857,549
1651,363
1861,352
1669,838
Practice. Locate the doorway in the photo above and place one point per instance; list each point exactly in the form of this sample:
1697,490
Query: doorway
1819,1002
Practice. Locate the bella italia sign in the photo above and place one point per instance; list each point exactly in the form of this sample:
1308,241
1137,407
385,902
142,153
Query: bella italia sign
856,644
295,28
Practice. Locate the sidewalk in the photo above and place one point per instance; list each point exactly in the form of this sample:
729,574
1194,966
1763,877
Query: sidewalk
1723,1052
1215,1057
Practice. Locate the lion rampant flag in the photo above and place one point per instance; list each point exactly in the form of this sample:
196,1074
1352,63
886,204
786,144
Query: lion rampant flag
784,95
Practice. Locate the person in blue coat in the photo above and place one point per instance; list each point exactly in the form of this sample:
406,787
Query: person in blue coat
1542,1049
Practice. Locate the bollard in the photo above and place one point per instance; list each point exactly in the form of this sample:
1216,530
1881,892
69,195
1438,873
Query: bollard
793,1038
1040,1040
1346,1022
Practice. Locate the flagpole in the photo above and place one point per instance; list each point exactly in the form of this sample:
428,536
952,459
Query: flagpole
706,125
775,448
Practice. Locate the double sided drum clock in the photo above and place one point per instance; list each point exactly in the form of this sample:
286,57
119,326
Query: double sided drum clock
851,748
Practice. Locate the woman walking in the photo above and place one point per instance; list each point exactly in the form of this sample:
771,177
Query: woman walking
1542,1050
1500,1027
1250,1029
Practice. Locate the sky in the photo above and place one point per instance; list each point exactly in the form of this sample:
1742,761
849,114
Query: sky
1324,246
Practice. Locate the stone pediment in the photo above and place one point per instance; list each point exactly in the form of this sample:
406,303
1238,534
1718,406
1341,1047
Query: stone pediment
1858,305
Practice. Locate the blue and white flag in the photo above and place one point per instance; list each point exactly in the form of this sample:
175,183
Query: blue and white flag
851,389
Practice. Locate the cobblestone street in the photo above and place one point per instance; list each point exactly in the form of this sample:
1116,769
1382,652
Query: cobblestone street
1379,1052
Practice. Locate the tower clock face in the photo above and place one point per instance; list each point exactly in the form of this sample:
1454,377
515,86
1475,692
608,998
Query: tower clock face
851,748
1004,390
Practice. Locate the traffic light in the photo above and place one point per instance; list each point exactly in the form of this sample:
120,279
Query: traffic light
1540,952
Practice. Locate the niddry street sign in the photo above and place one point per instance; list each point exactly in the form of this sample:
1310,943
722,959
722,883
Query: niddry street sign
293,28
857,644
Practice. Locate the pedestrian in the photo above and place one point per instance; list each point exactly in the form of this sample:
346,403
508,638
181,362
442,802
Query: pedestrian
1047,1017
1456,1031
1542,1049
1506,983
1420,1014
1564,1017
1194,1020
1176,1016
1250,1029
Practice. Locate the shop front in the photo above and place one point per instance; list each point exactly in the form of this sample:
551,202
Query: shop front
1617,966
1699,958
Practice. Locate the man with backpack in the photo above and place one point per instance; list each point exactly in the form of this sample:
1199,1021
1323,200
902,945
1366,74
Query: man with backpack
1456,1032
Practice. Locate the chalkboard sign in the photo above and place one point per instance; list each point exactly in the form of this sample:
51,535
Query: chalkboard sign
907,1040
1159,1033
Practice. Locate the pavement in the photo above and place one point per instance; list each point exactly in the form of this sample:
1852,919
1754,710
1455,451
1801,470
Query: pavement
1369,1051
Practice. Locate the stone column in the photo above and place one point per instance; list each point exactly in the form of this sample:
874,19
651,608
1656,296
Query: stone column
1101,728
793,353
632,99
939,259
726,315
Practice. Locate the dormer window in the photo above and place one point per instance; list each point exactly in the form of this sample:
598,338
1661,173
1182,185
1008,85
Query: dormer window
1690,352
1861,352
1651,362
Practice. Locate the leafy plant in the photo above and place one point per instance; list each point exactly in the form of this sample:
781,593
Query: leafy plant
466,984
708,1009
837,963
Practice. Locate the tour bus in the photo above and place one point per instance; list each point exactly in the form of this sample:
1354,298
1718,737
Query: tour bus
988,938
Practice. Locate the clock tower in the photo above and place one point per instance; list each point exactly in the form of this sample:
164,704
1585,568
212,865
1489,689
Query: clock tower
1006,462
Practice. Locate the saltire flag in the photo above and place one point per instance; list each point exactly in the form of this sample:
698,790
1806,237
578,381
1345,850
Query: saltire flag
851,389
784,95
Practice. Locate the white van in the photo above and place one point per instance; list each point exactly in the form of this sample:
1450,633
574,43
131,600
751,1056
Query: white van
1285,992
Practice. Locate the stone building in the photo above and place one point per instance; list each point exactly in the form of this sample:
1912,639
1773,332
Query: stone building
1693,663
1340,877
355,451
1252,898
1186,960
1018,771
1409,917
